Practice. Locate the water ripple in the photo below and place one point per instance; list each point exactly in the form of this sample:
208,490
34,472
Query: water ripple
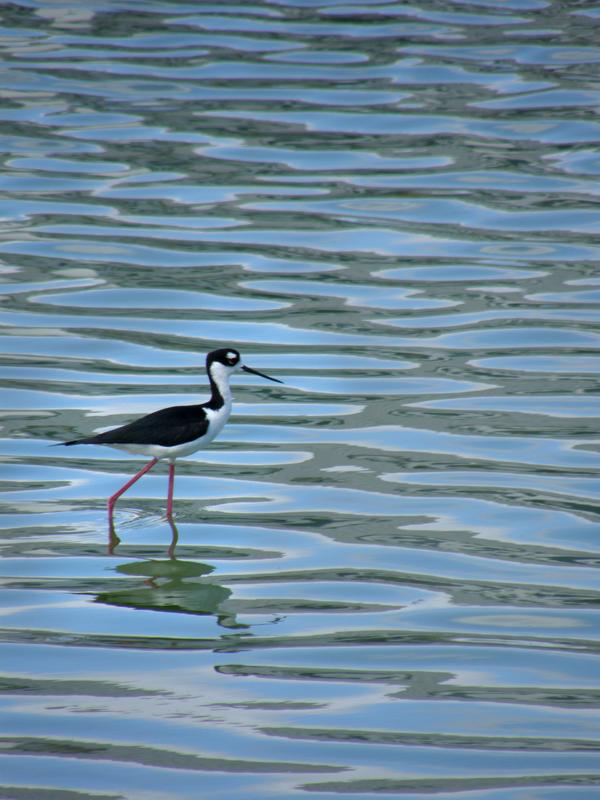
382,578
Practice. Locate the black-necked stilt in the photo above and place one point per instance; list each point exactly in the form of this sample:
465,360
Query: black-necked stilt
178,430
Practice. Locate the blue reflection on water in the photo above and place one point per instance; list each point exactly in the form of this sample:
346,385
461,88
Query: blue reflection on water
383,575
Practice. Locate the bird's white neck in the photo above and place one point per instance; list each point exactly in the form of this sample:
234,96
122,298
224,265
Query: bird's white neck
219,376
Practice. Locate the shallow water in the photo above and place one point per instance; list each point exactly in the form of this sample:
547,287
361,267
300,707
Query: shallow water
383,575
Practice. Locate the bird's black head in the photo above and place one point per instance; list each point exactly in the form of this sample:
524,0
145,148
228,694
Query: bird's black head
225,355
230,359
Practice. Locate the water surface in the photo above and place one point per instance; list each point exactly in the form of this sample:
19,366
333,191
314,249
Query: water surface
382,578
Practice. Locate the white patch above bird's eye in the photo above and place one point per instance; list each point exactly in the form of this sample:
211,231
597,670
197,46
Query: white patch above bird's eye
232,357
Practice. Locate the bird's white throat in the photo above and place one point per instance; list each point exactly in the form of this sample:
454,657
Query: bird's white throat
221,375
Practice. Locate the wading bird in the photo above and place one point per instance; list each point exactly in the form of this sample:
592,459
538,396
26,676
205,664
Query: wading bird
178,430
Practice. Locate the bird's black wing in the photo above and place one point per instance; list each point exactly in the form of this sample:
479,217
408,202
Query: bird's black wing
167,427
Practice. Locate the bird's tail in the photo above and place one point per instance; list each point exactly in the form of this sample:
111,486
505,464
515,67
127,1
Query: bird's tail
89,440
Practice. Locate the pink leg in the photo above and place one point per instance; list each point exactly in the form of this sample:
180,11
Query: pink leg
171,485
174,538
112,500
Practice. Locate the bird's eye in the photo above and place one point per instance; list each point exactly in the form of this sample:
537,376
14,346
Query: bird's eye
232,358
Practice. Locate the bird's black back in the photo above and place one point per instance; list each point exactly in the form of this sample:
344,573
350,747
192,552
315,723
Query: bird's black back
168,427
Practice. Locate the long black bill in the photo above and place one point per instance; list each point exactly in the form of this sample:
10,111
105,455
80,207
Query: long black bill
261,374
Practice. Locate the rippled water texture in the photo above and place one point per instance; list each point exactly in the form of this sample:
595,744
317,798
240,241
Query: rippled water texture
383,580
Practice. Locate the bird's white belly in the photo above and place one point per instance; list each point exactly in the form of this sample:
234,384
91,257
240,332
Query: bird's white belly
216,420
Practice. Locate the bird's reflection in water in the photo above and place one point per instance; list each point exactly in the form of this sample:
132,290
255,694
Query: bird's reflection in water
172,585
113,539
